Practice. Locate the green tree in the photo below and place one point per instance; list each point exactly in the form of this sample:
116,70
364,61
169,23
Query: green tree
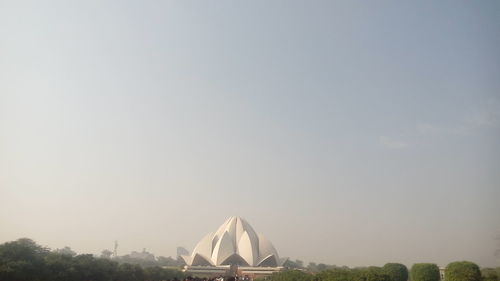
424,272
489,274
396,271
291,264
462,271
157,273
89,268
290,275
22,260
322,267
60,267
130,272
106,254
372,273
336,274
66,251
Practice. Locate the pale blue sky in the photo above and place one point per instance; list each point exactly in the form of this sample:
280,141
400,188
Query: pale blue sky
348,132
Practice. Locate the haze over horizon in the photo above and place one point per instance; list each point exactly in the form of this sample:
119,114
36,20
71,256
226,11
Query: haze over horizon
350,133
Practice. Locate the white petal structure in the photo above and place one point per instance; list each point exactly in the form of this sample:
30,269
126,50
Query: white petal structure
235,242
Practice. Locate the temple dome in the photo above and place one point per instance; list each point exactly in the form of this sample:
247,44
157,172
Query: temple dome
235,242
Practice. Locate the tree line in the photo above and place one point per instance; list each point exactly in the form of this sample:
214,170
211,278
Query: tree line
24,260
455,271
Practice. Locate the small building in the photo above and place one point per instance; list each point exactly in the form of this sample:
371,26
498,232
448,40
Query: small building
441,272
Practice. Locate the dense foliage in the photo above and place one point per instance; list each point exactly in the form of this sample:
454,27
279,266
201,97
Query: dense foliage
147,262
24,260
290,275
490,274
389,272
336,274
372,273
396,271
462,271
294,264
425,272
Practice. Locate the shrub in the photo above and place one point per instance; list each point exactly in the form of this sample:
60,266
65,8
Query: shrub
396,271
290,275
462,271
424,272
489,274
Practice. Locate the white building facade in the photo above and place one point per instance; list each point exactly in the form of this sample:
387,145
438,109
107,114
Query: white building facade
234,244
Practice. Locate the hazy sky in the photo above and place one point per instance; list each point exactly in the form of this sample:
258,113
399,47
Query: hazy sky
349,133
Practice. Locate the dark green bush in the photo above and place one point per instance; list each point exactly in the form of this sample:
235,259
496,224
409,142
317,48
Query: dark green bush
424,272
396,271
462,271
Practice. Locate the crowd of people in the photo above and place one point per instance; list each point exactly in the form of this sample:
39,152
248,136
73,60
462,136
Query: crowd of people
219,278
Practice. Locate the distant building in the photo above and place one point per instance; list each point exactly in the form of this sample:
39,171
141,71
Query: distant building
234,247
144,255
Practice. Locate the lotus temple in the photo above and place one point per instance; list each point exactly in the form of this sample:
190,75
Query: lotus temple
235,248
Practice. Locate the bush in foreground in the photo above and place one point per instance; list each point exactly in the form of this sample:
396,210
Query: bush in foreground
462,271
396,271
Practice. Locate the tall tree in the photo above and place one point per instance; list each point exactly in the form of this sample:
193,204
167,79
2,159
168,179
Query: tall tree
22,260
